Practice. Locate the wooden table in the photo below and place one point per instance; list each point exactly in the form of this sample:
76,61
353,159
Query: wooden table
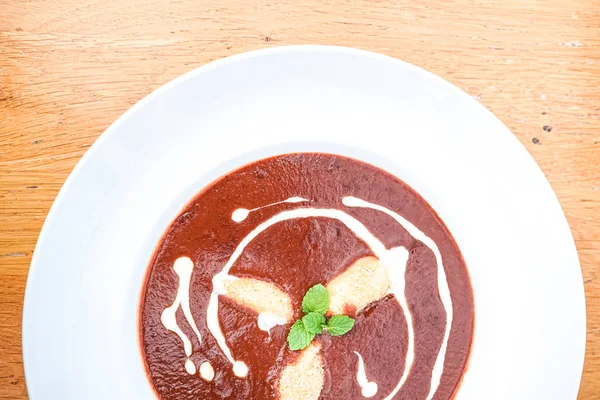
69,68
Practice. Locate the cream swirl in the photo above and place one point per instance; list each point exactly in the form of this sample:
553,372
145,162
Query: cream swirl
183,267
394,259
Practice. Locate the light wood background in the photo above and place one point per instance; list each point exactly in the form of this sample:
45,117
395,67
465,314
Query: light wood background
69,68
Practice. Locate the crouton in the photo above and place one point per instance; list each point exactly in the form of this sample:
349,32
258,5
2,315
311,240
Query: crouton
260,296
303,379
364,282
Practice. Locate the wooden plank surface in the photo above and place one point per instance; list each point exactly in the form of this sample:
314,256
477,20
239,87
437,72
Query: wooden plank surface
69,68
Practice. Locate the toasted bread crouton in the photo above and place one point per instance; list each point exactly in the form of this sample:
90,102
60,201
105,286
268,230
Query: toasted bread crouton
260,296
364,282
304,379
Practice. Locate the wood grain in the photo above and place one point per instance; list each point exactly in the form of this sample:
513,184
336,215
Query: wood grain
69,68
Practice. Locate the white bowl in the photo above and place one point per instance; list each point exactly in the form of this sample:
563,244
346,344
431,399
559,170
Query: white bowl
80,322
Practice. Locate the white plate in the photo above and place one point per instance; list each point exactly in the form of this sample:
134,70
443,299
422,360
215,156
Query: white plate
80,333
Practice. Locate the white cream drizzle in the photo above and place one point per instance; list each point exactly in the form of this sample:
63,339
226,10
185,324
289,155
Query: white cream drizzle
190,367
368,389
444,289
207,371
241,214
267,320
183,267
212,312
394,259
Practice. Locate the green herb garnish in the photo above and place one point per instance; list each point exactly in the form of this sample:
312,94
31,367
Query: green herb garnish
339,325
316,300
314,305
299,337
314,322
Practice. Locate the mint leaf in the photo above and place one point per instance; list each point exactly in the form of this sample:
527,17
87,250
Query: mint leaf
314,322
316,300
315,304
339,325
299,338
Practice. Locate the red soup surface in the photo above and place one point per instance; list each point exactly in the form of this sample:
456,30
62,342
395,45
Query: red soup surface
227,281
